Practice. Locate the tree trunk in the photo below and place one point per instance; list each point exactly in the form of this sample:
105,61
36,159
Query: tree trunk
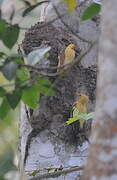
102,162
47,143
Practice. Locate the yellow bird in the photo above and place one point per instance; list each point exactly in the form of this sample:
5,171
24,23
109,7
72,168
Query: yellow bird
68,56
81,107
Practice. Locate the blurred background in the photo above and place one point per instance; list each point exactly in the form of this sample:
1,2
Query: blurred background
9,135
9,145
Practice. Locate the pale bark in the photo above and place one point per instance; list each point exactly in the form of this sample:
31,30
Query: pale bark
52,142
102,162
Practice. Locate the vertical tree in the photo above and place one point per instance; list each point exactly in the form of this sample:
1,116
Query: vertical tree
102,162
47,142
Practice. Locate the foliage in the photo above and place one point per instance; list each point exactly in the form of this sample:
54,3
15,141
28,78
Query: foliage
80,116
15,74
9,33
15,69
91,11
6,163
16,83
8,143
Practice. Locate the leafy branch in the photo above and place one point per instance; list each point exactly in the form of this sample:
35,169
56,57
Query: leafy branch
63,68
17,72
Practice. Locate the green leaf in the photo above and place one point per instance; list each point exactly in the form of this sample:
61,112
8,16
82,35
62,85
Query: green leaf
31,96
29,9
44,81
45,90
2,91
79,117
6,84
71,120
10,35
19,60
36,55
4,108
86,116
23,75
91,11
14,98
44,86
47,54
90,116
2,54
49,92
6,157
9,70
34,172
3,26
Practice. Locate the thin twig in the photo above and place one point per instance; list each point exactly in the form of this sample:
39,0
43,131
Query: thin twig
68,27
47,23
60,17
57,173
63,68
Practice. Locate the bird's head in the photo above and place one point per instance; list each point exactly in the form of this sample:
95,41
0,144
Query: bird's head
72,46
83,98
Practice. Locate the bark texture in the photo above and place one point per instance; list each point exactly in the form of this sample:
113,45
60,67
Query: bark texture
47,144
102,163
